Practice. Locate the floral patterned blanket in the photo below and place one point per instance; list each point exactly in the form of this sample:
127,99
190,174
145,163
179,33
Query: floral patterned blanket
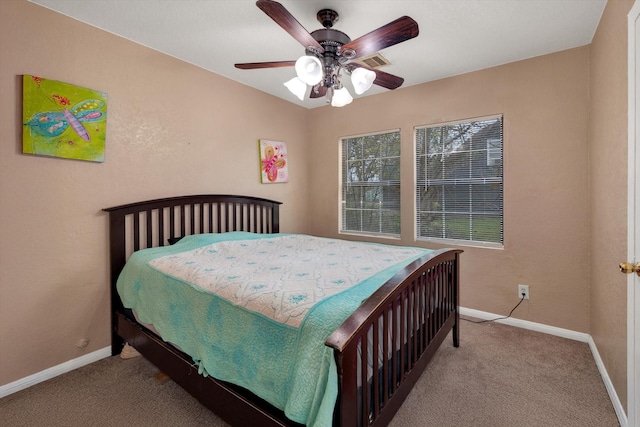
255,309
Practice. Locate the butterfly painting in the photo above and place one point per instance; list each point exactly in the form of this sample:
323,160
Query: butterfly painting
63,120
273,162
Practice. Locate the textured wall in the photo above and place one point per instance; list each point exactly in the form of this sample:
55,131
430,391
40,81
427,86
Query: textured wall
172,129
608,190
544,101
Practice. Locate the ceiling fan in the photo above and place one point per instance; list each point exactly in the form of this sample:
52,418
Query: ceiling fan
329,52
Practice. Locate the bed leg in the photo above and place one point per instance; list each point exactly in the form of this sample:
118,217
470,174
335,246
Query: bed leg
117,343
456,331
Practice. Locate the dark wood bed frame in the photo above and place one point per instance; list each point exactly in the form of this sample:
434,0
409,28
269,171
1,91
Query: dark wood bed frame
417,307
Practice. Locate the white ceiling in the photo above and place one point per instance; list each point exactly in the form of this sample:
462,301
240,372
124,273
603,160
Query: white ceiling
456,36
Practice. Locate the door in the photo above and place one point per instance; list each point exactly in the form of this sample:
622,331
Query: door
633,283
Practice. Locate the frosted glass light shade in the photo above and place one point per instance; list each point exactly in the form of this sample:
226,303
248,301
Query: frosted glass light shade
341,97
309,70
297,87
362,79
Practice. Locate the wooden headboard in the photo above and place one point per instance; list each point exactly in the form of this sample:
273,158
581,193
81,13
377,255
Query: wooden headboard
154,223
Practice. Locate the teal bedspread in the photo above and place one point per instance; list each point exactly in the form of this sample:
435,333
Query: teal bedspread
255,309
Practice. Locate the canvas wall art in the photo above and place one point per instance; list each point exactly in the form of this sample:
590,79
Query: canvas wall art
273,162
63,120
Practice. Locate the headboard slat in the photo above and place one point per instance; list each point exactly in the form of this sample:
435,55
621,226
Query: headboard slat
172,221
136,231
149,220
161,241
150,224
192,219
201,221
255,215
183,228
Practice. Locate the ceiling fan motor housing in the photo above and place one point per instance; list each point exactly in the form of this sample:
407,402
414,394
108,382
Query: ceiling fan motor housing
331,41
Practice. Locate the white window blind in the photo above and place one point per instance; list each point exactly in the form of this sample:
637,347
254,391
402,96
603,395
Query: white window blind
459,187
370,194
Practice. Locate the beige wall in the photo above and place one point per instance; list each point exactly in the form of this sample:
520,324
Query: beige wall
172,129
546,220
608,190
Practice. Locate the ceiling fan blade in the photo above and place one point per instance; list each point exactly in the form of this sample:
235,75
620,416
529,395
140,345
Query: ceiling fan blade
282,17
395,32
387,80
273,64
322,91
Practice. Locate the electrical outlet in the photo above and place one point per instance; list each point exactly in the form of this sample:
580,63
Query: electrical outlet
523,290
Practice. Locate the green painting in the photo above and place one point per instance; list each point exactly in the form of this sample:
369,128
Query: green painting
63,120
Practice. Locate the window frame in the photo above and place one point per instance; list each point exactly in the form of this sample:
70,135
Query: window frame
341,197
416,211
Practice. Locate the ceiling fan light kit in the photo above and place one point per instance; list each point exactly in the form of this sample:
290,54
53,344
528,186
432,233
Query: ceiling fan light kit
362,79
297,87
309,69
341,97
328,52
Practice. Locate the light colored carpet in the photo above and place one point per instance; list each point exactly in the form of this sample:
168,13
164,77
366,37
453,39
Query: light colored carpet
500,376
503,376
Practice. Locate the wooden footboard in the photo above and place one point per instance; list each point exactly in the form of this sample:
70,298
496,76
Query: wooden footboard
380,350
384,346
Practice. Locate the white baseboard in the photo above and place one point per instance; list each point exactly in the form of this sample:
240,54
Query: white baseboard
65,367
564,333
525,324
617,405
54,371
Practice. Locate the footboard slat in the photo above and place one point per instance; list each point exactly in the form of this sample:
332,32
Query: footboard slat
403,335
393,336
365,390
422,324
376,378
400,326
430,309
413,340
442,280
387,387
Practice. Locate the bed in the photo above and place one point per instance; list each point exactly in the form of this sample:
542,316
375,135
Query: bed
378,350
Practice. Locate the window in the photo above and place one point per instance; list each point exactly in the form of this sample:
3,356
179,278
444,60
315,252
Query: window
494,151
370,195
459,181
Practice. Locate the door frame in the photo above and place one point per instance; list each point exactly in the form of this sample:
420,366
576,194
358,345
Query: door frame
633,218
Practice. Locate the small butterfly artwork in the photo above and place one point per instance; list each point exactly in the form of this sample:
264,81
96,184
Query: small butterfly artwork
63,120
273,162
